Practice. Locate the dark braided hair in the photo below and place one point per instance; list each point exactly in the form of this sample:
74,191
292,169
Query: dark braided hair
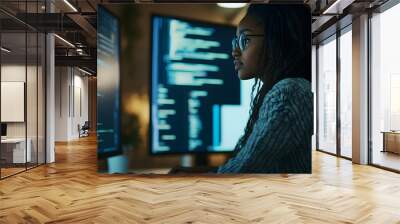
286,52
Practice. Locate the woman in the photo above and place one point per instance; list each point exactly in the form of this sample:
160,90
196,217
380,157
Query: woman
273,46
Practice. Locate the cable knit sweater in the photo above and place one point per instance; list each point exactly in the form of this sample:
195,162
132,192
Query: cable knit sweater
281,138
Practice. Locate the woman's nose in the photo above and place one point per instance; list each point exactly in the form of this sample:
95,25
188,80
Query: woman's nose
235,52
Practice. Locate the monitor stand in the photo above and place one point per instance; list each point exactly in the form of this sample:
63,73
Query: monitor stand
197,160
201,160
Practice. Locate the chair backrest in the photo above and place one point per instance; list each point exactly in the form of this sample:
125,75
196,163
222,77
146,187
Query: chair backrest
86,125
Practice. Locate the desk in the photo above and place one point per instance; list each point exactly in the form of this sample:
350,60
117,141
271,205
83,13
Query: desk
391,141
16,147
150,171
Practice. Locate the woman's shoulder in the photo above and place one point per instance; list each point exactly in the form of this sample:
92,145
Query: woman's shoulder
289,89
292,86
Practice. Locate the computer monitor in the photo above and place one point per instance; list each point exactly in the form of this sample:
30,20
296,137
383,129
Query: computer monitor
198,103
3,130
108,84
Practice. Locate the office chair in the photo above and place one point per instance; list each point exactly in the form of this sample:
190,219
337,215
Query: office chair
84,130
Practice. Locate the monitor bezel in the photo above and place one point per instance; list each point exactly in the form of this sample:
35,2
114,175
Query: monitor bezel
118,150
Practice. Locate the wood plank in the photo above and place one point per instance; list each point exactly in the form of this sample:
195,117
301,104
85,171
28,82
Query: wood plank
71,191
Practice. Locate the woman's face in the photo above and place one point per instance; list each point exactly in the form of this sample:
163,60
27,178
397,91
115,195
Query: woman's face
247,61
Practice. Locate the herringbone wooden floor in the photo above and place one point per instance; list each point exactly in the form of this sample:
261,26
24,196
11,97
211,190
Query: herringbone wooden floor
71,191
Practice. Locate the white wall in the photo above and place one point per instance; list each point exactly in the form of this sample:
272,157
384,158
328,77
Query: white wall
12,101
13,73
80,110
62,81
33,126
71,94
16,73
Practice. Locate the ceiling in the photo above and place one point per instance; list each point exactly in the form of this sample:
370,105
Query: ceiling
76,20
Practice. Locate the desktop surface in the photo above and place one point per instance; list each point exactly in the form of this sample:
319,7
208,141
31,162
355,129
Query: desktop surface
175,170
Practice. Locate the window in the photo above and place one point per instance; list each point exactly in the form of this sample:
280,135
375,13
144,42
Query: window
22,88
346,92
385,88
327,95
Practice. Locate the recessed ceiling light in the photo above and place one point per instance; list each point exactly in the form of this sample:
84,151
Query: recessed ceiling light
70,5
231,5
337,7
5,50
64,40
84,71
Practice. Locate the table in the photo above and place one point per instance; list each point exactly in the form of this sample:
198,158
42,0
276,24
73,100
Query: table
391,141
16,147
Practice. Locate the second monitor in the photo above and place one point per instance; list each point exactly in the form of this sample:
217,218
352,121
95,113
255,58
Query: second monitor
3,130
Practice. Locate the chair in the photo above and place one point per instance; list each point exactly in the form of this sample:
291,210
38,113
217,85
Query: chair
84,130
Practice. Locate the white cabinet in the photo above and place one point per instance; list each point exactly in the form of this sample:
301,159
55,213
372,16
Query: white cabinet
18,149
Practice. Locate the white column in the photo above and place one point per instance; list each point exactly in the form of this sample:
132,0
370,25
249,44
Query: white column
314,90
50,93
360,90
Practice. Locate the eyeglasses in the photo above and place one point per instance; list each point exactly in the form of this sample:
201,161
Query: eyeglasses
242,41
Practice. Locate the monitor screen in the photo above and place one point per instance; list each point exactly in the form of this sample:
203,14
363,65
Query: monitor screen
108,84
3,129
198,103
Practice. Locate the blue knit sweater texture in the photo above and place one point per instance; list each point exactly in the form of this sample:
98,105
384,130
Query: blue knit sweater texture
280,141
